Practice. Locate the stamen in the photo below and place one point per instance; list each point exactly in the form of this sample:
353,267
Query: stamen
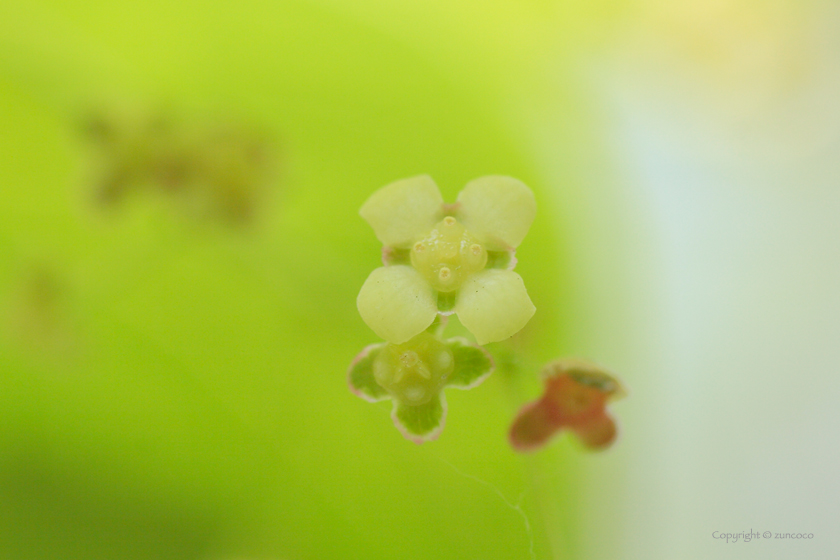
419,247
475,249
444,273
449,221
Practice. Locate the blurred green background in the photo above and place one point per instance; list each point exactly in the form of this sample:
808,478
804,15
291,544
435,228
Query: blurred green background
172,383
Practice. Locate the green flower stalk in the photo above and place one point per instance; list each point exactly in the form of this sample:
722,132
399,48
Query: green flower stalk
443,259
413,374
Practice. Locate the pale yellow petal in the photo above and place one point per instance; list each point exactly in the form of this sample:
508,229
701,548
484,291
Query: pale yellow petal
494,305
397,303
500,209
404,211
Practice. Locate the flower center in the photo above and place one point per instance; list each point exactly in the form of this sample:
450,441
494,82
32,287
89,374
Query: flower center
415,371
448,255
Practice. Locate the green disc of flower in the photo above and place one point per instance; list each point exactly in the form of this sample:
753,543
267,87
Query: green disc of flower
448,255
414,372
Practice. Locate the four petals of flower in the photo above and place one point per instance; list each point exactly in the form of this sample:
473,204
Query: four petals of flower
413,375
446,259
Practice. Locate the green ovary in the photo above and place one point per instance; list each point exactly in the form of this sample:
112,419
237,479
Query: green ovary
415,371
448,255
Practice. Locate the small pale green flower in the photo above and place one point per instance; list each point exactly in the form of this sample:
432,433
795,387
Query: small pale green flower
446,259
413,374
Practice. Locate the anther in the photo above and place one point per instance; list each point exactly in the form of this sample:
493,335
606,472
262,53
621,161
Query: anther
475,249
444,273
419,247
449,221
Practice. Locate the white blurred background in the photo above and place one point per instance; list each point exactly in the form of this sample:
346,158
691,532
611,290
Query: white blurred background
723,121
